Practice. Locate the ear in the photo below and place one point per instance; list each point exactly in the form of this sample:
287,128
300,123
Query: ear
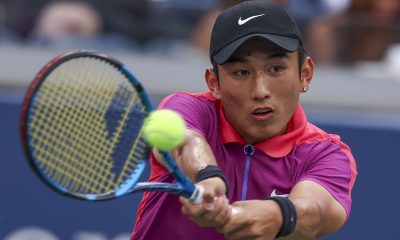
306,75
212,83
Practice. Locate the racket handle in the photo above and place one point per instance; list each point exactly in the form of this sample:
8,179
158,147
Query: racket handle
197,195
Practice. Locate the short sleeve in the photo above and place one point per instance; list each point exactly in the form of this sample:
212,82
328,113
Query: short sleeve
199,113
329,165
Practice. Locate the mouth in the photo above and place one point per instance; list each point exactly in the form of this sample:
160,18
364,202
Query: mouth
262,114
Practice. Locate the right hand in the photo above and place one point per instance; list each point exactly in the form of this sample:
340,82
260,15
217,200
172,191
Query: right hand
253,219
215,210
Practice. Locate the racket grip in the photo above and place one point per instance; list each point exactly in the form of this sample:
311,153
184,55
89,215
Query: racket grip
197,195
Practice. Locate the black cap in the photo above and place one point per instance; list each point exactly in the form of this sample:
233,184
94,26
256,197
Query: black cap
251,19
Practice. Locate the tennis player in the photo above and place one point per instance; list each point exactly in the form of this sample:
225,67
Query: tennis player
267,172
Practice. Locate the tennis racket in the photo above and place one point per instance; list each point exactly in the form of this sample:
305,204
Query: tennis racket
81,130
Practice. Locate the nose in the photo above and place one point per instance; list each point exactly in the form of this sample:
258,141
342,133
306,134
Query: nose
261,89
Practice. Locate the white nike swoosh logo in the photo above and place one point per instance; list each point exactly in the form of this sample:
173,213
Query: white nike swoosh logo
241,22
273,194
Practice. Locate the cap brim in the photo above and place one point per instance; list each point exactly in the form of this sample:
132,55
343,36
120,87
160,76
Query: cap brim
287,43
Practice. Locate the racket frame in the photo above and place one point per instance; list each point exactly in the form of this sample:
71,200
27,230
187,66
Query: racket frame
183,185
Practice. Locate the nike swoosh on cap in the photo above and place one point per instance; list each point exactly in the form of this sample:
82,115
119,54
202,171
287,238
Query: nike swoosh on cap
241,22
273,194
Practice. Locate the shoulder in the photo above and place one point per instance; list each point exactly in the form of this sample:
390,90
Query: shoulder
182,99
316,147
314,135
315,143
198,109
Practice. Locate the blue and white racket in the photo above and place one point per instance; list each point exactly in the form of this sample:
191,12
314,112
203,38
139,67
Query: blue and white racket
81,128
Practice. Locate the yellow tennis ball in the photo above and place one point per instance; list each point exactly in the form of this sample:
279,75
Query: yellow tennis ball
164,129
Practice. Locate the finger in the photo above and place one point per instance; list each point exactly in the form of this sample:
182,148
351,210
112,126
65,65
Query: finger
234,221
191,210
208,197
213,187
224,215
211,205
215,216
207,216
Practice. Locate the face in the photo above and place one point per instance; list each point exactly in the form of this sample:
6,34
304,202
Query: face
259,88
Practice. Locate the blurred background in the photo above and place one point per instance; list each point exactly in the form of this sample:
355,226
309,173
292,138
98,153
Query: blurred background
355,93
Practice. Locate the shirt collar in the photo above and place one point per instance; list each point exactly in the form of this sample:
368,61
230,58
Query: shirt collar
277,146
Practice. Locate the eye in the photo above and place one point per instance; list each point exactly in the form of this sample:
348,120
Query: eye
241,72
277,69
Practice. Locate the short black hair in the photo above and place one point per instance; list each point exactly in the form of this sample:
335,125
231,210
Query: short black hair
302,55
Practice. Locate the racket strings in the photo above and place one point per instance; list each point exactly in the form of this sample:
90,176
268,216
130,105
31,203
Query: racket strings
65,117
69,121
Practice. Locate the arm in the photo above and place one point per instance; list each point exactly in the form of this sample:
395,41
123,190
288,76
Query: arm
193,155
318,214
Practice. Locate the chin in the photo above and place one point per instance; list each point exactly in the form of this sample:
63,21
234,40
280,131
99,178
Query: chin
258,136
262,135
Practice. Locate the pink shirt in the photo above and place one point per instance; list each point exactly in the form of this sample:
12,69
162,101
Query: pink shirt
270,167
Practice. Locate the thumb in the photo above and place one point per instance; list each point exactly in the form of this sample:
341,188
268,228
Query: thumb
209,201
208,197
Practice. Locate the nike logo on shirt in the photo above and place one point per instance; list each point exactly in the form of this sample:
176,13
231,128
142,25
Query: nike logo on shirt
241,22
273,194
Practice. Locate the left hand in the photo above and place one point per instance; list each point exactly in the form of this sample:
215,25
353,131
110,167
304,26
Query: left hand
253,219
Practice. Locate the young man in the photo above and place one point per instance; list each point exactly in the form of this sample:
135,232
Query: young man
266,171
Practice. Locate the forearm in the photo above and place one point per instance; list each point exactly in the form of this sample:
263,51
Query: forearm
318,213
309,219
193,155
